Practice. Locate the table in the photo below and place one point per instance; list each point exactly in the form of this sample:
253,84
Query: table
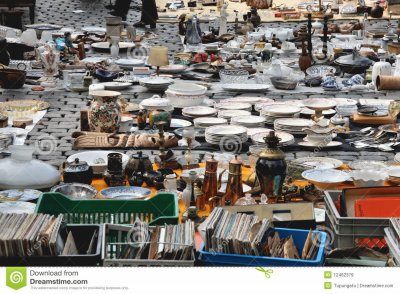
11,4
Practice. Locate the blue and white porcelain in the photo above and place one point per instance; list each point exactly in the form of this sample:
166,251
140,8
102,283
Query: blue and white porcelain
23,194
354,80
125,192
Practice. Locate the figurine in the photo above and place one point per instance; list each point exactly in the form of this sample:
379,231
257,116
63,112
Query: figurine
255,17
223,19
182,24
50,60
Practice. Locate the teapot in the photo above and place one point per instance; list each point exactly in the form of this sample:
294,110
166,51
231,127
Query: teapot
77,172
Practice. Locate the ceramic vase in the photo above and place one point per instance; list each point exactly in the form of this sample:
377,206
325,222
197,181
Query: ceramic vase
104,112
50,59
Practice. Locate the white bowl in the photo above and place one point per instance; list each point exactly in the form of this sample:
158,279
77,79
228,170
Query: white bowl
369,178
187,89
325,178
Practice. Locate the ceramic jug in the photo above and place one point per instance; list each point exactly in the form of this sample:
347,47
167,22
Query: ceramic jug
104,112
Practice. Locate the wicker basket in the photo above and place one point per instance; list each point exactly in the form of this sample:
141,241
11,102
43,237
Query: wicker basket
259,4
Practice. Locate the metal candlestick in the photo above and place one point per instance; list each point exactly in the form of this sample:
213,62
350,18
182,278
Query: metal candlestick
325,38
309,28
160,125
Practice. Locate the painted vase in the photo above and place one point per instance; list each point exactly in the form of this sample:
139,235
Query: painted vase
50,59
104,112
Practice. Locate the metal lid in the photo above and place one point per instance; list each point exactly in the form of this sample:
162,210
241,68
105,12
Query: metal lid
272,151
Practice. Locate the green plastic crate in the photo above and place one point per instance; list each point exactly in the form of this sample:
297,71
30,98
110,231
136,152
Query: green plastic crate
158,210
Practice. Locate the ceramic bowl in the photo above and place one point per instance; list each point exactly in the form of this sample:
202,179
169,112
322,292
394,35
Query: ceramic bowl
319,139
76,190
125,192
369,178
181,101
326,179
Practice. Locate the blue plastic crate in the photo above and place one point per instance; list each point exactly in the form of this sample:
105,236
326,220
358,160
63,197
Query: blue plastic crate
299,237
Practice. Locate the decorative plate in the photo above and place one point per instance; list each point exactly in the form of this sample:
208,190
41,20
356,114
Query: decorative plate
125,192
107,45
17,207
320,70
129,62
371,164
21,194
196,111
319,162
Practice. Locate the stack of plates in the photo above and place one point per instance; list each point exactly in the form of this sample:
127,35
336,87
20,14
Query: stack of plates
156,83
199,111
248,121
248,99
205,122
292,125
286,139
260,105
273,112
226,135
228,114
233,106
129,63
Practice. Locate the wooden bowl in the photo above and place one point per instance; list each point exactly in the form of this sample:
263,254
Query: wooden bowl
12,78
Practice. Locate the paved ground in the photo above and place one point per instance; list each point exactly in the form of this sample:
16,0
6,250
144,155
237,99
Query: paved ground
62,119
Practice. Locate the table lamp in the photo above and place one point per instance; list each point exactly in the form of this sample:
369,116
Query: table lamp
158,56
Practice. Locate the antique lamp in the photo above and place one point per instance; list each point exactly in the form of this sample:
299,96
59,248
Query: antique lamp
158,56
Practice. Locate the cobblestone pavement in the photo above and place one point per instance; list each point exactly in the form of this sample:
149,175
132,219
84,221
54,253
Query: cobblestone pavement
62,119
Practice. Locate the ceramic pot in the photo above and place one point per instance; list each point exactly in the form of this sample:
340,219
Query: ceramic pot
381,68
305,60
104,112
138,163
159,115
77,172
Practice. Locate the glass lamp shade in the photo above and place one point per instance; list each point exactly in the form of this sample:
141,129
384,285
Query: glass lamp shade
158,56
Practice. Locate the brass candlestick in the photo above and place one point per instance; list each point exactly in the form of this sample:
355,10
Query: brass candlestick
161,125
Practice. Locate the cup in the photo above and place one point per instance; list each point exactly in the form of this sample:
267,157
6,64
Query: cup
170,183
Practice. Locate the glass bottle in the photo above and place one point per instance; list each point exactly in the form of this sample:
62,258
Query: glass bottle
210,184
234,187
271,169
193,39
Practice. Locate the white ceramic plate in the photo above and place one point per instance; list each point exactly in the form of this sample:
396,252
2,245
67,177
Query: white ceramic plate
129,62
246,87
173,68
199,111
233,113
329,145
209,121
107,45
23,194
16,131
233,106
345,101
249,119
294,122
116,85
155,81
282,110
226,130
319,103
17,207
247,99
93,59
97,159
180,123
319,162
326,176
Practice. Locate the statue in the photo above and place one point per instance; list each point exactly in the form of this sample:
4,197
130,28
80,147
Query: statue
223,19
50,59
